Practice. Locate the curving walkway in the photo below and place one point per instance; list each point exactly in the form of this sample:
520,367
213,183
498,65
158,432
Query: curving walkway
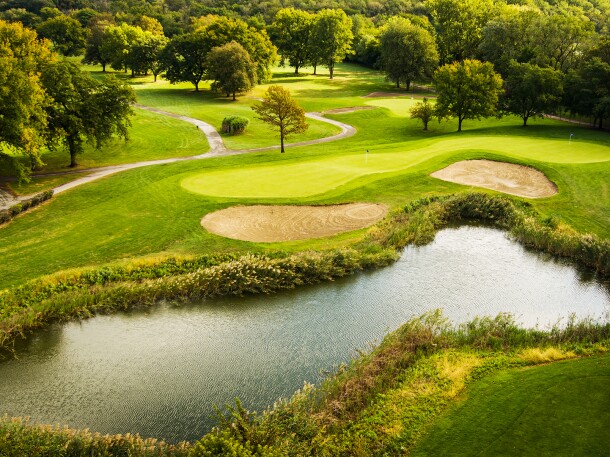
217,149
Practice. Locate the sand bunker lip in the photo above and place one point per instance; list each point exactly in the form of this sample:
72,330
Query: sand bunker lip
504,177
349,109
269,223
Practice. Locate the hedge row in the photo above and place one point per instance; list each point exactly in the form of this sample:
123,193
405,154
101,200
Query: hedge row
8,214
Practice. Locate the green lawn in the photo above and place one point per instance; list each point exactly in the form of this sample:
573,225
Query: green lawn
561,409
157,210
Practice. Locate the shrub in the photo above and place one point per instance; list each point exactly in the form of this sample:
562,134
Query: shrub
234,125
24,205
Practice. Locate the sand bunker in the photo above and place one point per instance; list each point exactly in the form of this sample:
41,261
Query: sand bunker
350,109
285,223
504,177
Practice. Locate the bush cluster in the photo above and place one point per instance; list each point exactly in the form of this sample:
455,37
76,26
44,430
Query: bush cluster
18,208
235,125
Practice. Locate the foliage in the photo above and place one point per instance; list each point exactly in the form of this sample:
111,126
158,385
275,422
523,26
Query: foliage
408,52
24,205
587,90
423,111
235,125
231,69
218,31
331,37
84,109
281,112
531,90
185,58
19,438
467,90
459,25
66,34
22,97
291,32
145,53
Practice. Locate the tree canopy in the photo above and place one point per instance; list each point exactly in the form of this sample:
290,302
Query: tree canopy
83,109
291,32
467,90
408,52
231,69
281,112
332,37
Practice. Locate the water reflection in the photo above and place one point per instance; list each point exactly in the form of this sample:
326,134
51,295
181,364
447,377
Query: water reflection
158,372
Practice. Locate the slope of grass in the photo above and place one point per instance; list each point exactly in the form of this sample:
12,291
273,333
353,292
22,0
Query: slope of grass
557,409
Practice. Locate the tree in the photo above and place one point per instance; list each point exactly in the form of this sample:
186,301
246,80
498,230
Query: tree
587,90
467,90
96,52
144,54
282,112
150,24
185,58
408,52
231,69
84,110
67,35
532,90
332,37
291,33
222,30
459,25
22,97
423,111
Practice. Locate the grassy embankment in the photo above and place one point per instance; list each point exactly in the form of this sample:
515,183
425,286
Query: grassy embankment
150,213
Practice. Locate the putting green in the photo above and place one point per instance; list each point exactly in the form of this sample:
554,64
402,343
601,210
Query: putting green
313,177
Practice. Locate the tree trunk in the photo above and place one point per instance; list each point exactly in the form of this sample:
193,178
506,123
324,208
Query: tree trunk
296,69
233,96
315,69
72,149
331,68
103,67
408,85
425,126
197,86
282,141
397,84
460,124
155,75
525,121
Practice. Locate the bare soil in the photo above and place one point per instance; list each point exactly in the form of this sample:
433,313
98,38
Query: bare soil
266,224
501,176
350,109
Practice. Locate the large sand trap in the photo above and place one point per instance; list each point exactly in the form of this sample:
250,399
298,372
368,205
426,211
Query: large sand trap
349,109
285,223
504,177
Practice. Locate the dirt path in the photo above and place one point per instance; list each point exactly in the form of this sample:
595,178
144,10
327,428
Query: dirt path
217,149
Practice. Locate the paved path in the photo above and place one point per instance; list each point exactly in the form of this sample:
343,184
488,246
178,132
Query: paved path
217,149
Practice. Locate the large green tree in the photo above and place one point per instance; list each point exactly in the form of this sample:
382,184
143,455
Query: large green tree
532,90
83,109
185,58
144,54
467,90
66,33
459,25
587,90
231,69
408,52
222,30
291,32
332,37
281,112
22,97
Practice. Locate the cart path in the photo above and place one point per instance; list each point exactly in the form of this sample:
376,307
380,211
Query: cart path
217,149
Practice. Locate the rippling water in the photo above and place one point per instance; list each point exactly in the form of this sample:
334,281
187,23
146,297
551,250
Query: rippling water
158,372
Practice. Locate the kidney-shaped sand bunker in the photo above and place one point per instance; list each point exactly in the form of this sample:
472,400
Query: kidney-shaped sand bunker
267,223
501,176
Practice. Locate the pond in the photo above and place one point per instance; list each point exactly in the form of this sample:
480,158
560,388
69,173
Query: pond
159,372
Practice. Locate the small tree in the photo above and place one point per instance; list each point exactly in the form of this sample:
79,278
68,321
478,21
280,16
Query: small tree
84,110
467,90
231,69
282,112
423,111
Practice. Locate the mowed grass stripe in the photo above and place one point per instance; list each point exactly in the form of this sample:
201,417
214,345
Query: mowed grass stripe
313,177
561,409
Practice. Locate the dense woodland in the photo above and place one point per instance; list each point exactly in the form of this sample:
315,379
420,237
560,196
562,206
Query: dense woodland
484,57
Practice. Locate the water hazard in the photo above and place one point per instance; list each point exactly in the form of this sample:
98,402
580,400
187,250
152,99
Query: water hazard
158,372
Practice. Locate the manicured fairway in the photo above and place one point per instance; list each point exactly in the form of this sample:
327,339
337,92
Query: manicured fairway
313,177
562,409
